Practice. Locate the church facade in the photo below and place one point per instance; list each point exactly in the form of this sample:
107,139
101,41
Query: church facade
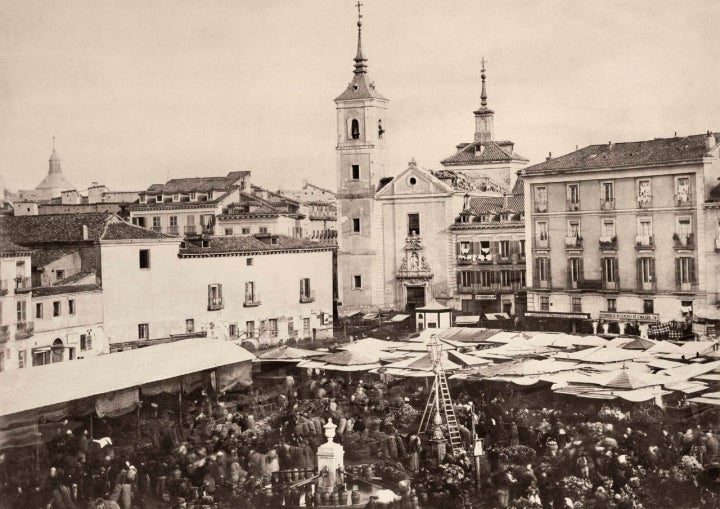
396,233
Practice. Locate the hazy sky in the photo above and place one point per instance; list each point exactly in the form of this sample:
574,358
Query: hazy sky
140,91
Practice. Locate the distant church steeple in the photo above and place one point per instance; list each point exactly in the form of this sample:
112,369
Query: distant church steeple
483,115
54,160
360,60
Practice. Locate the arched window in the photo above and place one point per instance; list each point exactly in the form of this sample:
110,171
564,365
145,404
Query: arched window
57,351
355,129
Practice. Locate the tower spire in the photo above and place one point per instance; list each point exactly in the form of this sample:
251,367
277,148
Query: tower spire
483,94
360,60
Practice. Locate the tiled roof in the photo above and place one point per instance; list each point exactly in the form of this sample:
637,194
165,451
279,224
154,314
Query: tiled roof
72,280
125,231
494,204
492,152
197,184
635,153
46,291
42,257
7,247
68,228
28,230
359,88
518,189
249,243
714,194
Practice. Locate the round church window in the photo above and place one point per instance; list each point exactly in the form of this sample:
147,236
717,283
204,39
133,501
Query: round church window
412,181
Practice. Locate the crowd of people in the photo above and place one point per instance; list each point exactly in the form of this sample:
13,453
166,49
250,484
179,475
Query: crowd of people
218,452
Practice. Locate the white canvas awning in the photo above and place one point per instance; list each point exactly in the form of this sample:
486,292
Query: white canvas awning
467,320
41,386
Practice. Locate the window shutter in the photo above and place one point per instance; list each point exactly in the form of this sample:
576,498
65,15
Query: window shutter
209,294
581,273
219,287
457,250
549,272
569,273
616,273
639,271
302,287
246,291
692,270
603,271
475,248
459,275
678,279
652,269
536,275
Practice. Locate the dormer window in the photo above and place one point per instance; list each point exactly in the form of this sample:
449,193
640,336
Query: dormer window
158,199
176,197
355,129
193,196
143,198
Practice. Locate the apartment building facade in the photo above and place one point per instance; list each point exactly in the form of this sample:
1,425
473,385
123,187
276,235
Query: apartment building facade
617,231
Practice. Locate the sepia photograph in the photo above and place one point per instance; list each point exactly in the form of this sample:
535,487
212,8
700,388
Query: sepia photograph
359,254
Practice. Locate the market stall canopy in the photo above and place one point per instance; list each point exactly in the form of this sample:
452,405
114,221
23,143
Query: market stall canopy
638,344
603,355
423,363
399,318
706,312
467,320
342,361
27,389
710,398
376,349
286,354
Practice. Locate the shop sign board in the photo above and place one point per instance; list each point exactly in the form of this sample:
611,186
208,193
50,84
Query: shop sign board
485,296
628,317
550,314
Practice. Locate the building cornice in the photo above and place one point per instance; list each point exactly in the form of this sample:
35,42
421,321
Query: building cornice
257,253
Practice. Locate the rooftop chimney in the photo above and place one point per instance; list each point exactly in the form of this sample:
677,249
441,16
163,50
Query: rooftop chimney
710,140
610,145
549,156
84,232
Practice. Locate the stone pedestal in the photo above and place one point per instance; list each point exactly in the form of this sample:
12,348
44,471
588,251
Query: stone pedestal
330,458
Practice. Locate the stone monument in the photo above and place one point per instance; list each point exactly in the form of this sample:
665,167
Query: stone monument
330,458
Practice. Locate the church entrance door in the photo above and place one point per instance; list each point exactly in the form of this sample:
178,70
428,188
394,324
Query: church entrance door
415,298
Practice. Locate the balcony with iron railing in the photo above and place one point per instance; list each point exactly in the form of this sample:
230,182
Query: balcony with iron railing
541,207
646,286
252,300
607,204
157,229
542,284
215,303
173,230
686,287
683,200
644,242
190,229
539,243
4,333
610,285
644,202
683,241
477,288
22,283
608,243
590,284
24,330
306,296
573,241
573,206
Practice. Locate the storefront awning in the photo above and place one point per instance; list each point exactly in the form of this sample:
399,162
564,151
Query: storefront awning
706,312
497,316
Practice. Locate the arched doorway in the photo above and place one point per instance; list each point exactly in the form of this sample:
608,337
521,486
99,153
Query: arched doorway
56,353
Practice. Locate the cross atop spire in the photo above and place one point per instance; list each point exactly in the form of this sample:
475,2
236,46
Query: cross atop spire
483,94
360,60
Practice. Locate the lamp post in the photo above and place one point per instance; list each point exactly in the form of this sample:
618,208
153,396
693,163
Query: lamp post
438,439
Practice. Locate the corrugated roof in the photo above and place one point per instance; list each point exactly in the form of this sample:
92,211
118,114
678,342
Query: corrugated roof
636,153
490,152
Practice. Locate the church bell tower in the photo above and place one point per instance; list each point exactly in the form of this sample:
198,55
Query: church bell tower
360,167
